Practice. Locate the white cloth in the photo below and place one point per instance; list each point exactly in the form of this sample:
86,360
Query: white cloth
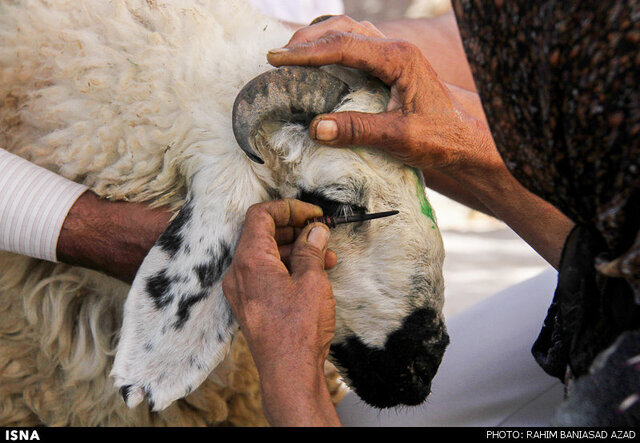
34,203
488,376
298,11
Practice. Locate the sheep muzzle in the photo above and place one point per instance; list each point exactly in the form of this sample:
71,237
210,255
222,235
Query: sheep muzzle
401,372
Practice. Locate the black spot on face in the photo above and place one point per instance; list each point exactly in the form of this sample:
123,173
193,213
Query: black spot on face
401,373
148,347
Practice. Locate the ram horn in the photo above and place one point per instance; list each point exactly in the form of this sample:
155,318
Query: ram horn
287,94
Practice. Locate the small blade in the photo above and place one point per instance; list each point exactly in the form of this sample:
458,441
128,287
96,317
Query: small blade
363,217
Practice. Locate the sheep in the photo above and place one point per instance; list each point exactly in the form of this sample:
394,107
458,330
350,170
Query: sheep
135,99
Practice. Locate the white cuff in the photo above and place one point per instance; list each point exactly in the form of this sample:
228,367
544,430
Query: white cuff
34,203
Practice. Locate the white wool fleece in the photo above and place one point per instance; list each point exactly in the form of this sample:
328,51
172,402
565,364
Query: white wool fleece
133,99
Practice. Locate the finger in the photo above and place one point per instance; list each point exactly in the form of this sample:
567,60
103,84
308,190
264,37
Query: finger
258,237
285,252
285,235
360,129
382,58
308,252
324,25
263,218
330,257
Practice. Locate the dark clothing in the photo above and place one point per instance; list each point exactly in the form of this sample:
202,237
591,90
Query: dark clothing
560,85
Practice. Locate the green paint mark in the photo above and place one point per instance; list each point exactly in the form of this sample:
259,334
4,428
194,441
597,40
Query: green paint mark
425,207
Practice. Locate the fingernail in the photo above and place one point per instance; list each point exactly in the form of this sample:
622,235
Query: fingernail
326,130
278,51
318,237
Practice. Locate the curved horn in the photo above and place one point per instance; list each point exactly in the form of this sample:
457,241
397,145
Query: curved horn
290,93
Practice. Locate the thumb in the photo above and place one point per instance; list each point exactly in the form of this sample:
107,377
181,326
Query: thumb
352,128
309,250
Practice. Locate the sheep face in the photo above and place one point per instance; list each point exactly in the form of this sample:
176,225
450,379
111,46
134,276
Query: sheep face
390,335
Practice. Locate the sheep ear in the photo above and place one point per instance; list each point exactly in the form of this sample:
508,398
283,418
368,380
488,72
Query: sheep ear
177,324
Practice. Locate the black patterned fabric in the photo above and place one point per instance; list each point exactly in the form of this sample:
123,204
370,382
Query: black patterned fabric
560,85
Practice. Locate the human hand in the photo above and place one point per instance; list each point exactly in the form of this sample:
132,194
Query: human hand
428,124
111,237
287,315
425,125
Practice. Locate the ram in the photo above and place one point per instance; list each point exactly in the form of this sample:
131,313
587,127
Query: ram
135,99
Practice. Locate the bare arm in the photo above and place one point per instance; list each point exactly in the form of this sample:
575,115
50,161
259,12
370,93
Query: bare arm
496,192
112,237
286,314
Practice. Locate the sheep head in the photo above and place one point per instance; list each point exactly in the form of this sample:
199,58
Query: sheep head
388,286
390,335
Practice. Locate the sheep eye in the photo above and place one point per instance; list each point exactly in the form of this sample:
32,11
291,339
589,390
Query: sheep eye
329,206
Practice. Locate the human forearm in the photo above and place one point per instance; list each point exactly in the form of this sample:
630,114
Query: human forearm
112,237
440,181
483,182
537,222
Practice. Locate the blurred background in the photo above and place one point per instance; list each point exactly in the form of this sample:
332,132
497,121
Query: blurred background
381,10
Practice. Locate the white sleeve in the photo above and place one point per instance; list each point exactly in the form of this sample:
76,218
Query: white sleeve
34,203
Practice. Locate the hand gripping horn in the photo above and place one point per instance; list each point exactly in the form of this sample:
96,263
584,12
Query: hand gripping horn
286,94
